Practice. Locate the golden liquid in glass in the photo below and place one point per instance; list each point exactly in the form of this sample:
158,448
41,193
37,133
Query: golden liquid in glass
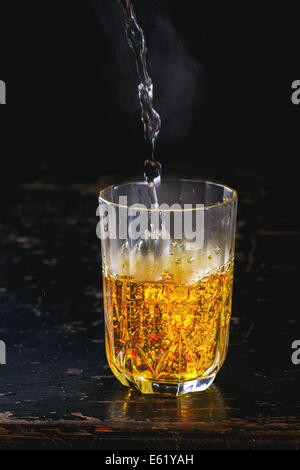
167,331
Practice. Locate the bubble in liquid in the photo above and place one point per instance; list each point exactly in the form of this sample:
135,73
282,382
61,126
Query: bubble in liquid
166,276
139,245
124,248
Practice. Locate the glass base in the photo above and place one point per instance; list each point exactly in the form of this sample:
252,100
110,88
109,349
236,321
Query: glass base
168,388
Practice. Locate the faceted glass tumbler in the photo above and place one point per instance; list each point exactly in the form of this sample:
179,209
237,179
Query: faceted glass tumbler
167,258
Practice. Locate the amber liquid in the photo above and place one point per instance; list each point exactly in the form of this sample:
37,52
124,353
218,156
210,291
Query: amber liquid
165,331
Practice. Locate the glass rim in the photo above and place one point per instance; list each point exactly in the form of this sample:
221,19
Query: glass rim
172,180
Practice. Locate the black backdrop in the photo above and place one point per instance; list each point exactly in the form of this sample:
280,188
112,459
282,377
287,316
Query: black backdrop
71,86
72,116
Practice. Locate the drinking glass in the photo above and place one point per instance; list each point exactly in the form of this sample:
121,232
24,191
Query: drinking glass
167,258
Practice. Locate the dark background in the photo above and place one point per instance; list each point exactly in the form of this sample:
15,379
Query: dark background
71,86
222,78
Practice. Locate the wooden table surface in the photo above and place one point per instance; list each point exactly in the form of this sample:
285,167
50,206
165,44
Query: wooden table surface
56,389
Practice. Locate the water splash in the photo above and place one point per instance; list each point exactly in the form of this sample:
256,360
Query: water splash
150,118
